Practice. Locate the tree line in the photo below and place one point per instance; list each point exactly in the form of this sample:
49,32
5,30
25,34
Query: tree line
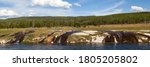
80,21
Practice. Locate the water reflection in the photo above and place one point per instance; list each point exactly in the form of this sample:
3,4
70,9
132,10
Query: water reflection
80,46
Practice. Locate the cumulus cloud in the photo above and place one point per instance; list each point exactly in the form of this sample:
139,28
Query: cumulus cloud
137,8
77,4
52,3
5,12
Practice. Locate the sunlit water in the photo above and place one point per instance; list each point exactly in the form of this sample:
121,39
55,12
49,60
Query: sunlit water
77,47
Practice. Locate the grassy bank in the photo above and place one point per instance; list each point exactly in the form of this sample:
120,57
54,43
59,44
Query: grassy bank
42,32
100,27
120,27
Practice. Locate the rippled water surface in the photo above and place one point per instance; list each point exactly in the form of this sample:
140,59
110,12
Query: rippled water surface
77,47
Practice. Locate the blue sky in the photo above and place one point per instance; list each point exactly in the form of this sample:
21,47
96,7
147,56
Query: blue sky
18,8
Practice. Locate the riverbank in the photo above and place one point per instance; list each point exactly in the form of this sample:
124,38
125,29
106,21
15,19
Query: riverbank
88,34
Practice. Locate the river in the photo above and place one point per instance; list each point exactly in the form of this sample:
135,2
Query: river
76,47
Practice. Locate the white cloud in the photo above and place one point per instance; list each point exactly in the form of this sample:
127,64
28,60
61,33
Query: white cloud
77,4
115,11
116,5
5,12
31,12
52,12
137,8
52,3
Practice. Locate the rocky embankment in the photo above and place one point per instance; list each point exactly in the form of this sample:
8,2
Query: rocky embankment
76,36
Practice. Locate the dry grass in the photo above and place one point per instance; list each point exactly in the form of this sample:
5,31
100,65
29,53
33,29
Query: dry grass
39,32
44,30
120,27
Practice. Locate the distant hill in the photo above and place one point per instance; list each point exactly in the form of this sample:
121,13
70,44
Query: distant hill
49,21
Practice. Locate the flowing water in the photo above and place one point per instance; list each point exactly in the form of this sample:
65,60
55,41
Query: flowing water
77,47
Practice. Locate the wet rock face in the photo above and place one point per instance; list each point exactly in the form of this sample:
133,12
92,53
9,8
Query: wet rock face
143,37
2,42
113,37
3,35
64,38
109,39
121,37
49,39
19,37
129,37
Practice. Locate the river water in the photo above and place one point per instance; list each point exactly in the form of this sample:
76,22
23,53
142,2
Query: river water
77,47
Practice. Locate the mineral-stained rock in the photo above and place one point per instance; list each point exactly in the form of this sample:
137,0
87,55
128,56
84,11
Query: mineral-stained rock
121,37
109,39
62,39
3,41
19,37
3,35
143,38
50,40
97,39
75,36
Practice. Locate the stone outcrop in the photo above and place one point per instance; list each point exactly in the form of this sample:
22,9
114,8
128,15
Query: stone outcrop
75,36
121,37
19,37
143,37
113,37
3,35
49,39
3,42
62,39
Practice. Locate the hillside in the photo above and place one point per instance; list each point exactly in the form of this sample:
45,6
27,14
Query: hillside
26,22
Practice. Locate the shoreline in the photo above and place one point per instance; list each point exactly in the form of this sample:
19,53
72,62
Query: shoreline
83,36
88,34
